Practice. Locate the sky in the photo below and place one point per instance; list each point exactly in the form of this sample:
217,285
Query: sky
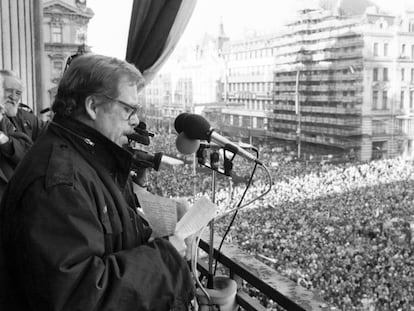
108,29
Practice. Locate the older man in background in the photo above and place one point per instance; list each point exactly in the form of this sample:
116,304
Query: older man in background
13,145
24,121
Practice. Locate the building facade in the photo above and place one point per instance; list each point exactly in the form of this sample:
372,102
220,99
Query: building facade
191,81
248,88
21,47
65,25
327,83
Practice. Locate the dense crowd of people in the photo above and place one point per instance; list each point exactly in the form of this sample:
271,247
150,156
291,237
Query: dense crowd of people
344,230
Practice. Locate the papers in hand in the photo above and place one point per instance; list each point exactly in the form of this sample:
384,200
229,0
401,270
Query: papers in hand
161,213
197,217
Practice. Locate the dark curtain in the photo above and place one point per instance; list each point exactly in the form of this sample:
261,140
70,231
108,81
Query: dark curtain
151,22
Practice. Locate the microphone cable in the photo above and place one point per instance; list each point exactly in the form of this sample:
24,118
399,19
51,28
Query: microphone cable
197,236
239,207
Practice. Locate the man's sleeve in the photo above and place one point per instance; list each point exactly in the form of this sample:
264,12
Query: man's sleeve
39,126
18,144
64,263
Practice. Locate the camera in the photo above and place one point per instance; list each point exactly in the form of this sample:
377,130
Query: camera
142,159
141,134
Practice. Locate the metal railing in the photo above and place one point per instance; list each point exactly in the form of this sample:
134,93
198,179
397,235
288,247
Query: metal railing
281,290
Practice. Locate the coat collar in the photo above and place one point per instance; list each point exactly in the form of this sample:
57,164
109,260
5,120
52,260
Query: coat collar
99,151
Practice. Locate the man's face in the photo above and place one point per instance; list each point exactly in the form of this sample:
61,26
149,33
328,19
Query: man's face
118,119
12,95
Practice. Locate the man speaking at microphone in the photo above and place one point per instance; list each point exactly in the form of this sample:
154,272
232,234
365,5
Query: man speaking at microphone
70,238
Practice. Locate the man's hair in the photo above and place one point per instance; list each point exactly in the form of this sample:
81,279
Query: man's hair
8,73
91,74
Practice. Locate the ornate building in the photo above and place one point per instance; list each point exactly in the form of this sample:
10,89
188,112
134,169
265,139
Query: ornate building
21,47
65,25
341,85
189,82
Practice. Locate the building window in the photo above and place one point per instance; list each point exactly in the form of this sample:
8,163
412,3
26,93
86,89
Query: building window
385,49
402,99
245,122
412,51
375,74
260,123
402,50
57,68
378,127
412,75
375,49
402,74
411,99
384,100
57,34
385,74
375,100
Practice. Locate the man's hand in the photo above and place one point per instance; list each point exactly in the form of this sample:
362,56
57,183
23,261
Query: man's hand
2,111
3,137
178,243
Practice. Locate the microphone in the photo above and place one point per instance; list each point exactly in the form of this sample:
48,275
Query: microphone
179,122
186,145
196,127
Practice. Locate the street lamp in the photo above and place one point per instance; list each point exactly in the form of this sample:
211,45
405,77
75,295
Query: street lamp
298,116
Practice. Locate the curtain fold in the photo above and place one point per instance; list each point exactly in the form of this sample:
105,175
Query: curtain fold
155,28
181,21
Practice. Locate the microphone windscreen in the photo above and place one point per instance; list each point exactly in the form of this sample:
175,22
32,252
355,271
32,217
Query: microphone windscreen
186,145
196,127
179,122
142,125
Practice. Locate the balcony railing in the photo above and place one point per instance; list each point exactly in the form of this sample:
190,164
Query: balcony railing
281,290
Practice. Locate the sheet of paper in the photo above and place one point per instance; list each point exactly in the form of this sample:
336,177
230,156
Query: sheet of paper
161,213
198,216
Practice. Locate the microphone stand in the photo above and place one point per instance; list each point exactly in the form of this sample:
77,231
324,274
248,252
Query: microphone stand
210,278
221,290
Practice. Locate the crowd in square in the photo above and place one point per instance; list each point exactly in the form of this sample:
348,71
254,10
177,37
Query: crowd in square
342,230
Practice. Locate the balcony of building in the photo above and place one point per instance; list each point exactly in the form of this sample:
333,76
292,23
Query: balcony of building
406,126
319,97
336,55
320,109
243,131
331,120
282,135
241,111
320,76
318,34
313,86
335,97
250,272
330,110
311,128
241,78
248,95
342,143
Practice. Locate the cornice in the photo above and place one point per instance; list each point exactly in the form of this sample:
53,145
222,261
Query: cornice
57,7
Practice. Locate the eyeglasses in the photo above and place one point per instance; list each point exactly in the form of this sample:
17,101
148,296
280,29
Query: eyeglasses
131,109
